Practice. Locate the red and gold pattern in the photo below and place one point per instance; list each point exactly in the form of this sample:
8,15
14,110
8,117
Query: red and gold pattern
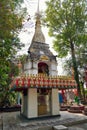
44,81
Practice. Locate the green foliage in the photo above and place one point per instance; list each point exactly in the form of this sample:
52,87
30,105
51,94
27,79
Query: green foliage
22,59
10,24
67,22
7,72
11,17
86,92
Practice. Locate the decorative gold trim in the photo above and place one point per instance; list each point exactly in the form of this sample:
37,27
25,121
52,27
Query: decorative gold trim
44,58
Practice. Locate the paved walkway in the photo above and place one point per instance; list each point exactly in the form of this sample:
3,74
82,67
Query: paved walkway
13,121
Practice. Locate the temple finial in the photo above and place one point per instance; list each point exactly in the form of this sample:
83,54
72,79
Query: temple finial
38,8
38,35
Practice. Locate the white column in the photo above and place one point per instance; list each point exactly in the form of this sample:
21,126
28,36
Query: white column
32,103
55,102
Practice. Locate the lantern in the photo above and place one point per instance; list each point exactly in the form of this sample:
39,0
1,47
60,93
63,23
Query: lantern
41,82
50,83
28,82
36,82
16,82
32,82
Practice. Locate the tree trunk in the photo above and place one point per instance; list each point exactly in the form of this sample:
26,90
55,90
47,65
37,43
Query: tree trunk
76,75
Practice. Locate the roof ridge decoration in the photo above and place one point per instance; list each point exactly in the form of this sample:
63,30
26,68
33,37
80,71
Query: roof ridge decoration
42,81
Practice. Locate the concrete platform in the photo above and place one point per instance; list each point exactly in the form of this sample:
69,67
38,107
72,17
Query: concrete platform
13,121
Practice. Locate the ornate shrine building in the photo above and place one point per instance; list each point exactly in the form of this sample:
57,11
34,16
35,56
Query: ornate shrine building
40,84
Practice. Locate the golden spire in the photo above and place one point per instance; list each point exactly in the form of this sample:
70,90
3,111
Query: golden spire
38,35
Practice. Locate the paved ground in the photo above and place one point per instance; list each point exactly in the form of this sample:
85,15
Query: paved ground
13,121
82,126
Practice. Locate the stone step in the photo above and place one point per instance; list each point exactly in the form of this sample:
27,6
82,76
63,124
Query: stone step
60,127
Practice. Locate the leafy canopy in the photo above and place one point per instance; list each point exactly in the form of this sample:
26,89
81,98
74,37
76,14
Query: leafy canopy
67,22
11,17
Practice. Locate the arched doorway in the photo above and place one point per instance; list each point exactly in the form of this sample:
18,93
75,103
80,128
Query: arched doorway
44,94
43,68
44,101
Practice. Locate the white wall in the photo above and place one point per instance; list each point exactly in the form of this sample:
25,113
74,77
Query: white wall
32,103
28,68
53,69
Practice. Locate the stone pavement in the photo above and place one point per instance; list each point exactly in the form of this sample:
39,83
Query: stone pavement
13,121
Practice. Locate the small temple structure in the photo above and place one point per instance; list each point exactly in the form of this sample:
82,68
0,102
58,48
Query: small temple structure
40,83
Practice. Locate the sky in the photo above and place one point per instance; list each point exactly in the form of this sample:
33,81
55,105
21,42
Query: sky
29,27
